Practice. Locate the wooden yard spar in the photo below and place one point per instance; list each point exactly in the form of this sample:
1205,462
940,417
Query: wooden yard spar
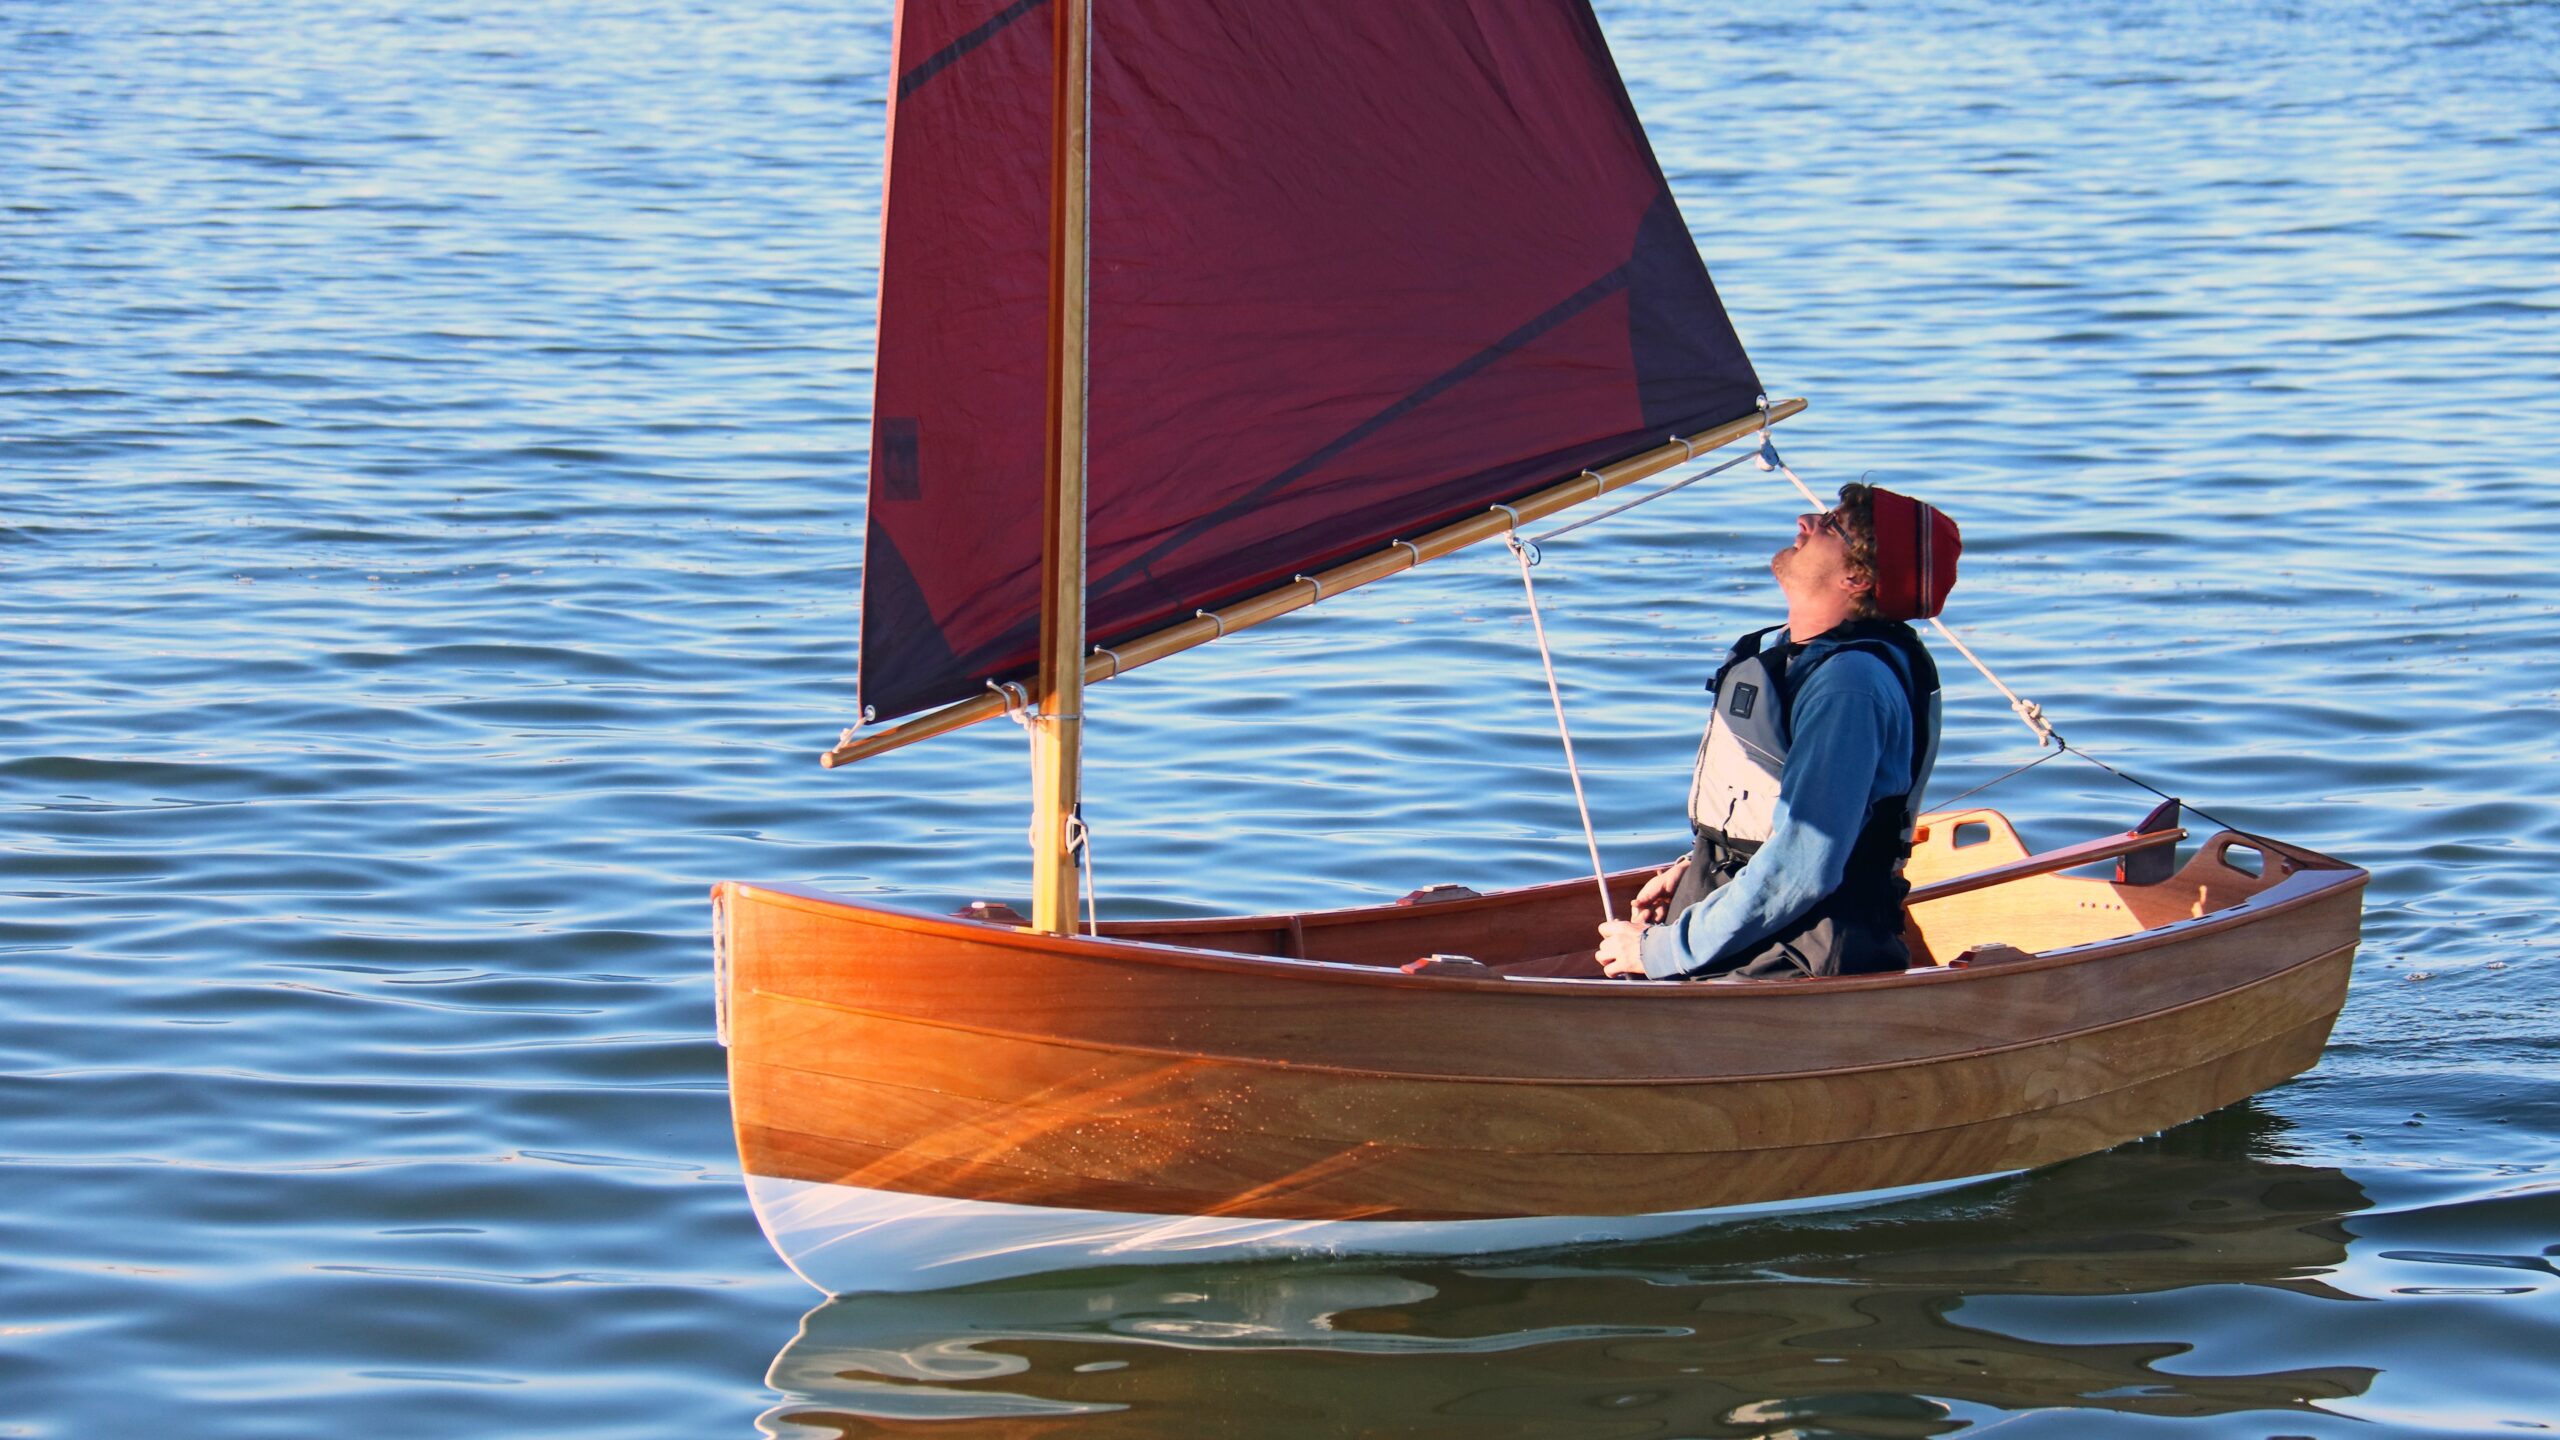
1393,558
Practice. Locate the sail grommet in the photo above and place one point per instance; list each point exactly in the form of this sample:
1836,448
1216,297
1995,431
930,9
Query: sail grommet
1311,580
1213,619
1115,660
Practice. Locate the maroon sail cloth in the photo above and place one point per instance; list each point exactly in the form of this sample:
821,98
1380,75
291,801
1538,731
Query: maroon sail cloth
1357,270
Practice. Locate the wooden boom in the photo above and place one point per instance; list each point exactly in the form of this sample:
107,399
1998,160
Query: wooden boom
1398,556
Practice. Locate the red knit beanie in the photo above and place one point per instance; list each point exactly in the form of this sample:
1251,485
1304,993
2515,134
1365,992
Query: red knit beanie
1916,549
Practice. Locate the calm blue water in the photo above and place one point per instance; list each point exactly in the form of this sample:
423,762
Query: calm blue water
430,458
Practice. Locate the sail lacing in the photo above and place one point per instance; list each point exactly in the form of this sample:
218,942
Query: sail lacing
1653,494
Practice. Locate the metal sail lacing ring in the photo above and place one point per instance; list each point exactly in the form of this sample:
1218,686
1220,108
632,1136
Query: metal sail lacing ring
1018,704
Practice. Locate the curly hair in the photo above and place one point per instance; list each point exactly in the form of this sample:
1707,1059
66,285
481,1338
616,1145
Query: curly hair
1858,531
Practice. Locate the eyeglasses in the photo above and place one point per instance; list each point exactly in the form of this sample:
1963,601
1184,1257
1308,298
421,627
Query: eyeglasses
1829,522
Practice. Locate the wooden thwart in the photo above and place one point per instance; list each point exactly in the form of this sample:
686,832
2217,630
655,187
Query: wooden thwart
1271,604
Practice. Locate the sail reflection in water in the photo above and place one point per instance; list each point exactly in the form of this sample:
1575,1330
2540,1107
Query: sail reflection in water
1862,1324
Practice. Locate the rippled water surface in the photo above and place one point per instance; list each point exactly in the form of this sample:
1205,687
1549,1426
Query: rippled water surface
430,500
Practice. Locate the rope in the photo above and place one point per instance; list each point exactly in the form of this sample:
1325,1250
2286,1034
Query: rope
2060,749
2143,785
2026,710
1655,494
1767,455
1080,844
1022,710
1591,837
1019,708
1949,802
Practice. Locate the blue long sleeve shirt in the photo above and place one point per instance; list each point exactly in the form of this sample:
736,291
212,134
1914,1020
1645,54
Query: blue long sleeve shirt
1849,746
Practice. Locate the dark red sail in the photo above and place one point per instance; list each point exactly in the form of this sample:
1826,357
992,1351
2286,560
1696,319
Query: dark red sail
1357,270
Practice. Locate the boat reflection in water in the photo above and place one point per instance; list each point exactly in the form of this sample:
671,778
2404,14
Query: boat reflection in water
1864,1323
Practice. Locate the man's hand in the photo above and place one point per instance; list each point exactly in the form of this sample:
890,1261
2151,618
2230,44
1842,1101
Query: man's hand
1653,902
1619,942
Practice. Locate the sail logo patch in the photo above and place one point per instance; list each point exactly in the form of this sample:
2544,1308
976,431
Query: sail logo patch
897,469
1745,696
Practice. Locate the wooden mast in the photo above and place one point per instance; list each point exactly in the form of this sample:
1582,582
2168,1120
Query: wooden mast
1058,734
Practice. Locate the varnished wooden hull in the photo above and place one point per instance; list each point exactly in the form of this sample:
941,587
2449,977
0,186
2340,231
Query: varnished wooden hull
885,1065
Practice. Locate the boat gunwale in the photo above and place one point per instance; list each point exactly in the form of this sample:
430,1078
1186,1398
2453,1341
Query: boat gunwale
2314,877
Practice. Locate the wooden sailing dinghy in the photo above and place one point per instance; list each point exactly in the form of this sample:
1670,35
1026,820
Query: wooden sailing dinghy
1196,314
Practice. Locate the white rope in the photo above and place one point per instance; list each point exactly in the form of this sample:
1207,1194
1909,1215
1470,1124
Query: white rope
1019,708
2026,710
1080,840
1599,872
1768,458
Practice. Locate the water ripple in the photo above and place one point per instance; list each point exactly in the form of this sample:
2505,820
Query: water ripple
430,457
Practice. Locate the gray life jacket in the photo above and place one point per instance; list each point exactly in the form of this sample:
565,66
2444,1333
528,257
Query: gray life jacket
1733,789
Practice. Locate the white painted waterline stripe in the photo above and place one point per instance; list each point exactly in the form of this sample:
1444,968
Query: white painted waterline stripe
846,1239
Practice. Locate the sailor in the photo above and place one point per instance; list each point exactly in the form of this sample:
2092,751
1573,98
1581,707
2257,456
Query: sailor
1810,773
